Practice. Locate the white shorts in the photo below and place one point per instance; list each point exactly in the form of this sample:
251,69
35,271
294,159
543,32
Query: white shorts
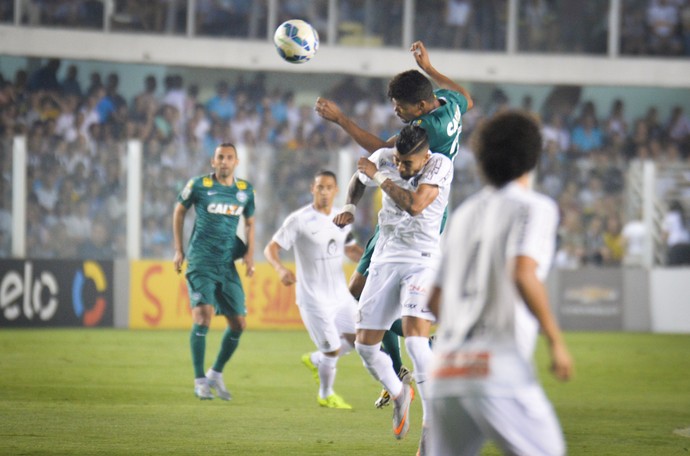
325,325
522,424
395,290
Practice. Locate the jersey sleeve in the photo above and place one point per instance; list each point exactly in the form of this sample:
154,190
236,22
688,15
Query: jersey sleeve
438,171
187,196
363,178
536,229
286,235
456,97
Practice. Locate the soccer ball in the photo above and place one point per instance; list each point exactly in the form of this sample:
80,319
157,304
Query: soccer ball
296,41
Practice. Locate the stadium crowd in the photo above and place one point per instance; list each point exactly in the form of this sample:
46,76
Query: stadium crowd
648,27
77,140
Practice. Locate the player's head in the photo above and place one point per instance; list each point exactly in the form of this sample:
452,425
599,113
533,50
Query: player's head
411,93
323,189
507,146
411,151
225,160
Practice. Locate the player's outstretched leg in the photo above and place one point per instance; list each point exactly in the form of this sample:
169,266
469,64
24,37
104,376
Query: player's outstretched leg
311,361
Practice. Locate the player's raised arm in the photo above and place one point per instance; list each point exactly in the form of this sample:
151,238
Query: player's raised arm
421,56
355,191
330,111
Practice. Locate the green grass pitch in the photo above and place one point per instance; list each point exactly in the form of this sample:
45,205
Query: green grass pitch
121,392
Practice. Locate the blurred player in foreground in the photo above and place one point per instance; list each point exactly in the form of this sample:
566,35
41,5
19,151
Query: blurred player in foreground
439,112
416,185
214,286
327,308
491,302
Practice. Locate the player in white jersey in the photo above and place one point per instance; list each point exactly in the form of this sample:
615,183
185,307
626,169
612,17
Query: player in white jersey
325,304
490,301
416,185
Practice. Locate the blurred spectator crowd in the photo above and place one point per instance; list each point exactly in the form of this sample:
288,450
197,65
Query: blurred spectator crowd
647,27
77,142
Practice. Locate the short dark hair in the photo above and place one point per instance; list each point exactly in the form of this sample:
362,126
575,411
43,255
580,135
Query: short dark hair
411,139
410,87
327,173
507,146
227,144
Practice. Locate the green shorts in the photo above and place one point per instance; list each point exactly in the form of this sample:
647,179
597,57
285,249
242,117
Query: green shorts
219,286
363,265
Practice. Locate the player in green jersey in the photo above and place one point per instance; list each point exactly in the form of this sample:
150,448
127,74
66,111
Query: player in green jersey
214,286
415,101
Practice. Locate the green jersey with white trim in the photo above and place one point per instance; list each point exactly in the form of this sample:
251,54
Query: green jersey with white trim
443,125
218,208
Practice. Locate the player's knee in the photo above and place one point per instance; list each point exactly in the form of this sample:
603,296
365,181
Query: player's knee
368,353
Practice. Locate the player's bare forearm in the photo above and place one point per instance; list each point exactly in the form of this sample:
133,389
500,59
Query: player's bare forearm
354,252
534,293
178,227
330,111
249,230
411,202
355,190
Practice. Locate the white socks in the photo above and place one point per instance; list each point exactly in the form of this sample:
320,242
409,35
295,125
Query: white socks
380,366
326,375
420,353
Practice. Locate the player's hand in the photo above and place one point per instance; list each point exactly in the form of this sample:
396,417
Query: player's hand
287,277
421,56
328,109
343,219
366,166
178,260
249,263
561,362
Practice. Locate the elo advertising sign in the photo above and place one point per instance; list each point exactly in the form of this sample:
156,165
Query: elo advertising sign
50,293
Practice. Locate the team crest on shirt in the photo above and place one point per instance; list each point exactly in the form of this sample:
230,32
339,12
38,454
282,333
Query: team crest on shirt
332,247
207,182
242,185
241,197
416,123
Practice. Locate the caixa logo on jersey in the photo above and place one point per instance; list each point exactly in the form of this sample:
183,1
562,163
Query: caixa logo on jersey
44,293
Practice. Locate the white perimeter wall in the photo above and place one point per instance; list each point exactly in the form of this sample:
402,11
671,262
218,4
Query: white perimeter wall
669,296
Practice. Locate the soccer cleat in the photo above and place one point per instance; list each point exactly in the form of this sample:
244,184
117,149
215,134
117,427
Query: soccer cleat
306,360
384,398
421,451
203,392
334,401
401,412
216,382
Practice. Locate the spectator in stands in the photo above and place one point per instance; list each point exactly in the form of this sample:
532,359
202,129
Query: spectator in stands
45,78
221,106
675,232
594,242
586,135
614,243
663,21
99,246
70,84
634,242
678,128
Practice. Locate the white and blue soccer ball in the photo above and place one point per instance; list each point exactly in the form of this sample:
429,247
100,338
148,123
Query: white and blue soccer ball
296,41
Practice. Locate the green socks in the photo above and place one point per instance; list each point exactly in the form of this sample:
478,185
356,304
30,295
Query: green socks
197,342
231,340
